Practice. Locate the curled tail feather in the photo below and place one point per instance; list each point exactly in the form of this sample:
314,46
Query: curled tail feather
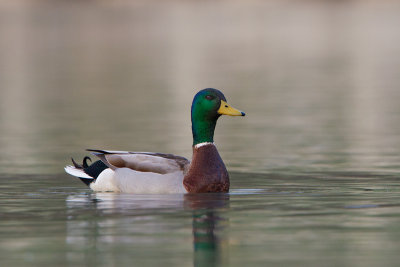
87,173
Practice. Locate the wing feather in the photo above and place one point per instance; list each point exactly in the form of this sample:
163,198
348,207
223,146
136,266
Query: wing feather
143,161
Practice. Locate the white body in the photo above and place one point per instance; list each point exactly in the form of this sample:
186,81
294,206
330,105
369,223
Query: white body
130,181
141,173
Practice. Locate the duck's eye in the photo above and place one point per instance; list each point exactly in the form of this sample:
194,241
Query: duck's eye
210,97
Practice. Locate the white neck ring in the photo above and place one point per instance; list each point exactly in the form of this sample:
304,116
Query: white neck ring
204,144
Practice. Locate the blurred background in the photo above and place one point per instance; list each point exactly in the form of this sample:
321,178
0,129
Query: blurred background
319,81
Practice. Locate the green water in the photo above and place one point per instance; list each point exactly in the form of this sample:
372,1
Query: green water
314,165
331,219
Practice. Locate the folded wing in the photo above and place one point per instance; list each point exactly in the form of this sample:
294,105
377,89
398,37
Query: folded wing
143,161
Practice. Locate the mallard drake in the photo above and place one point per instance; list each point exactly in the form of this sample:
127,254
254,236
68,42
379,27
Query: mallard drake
145,172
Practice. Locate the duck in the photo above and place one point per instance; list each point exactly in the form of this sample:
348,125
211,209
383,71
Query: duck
158,173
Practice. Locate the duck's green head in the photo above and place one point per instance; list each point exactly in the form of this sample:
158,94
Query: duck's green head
208,105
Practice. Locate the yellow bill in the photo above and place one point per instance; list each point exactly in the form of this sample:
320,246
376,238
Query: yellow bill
225,109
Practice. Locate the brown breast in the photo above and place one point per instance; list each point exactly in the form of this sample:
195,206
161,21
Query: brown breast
207,172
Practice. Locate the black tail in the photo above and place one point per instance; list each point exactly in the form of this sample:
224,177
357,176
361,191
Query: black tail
92,170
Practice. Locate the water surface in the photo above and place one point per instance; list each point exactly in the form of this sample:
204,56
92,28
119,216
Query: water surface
315,220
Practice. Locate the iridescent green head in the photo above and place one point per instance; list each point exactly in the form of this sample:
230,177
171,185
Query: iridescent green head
208,105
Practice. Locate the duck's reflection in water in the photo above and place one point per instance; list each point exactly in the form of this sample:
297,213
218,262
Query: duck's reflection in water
98,219
208,225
